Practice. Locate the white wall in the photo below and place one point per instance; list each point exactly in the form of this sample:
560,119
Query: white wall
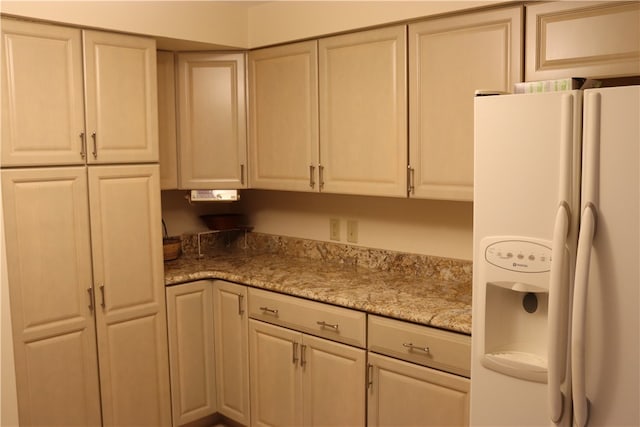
426,227
221,23
275,22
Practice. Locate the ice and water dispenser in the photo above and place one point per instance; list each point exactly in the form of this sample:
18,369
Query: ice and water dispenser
515,273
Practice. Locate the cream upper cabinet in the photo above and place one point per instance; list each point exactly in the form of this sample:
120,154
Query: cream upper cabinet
191,351
42,94
283,117
401,393
449,58
43,109
121,98
212,121
129,285
49,273
167,137
582,39
363,113
232,350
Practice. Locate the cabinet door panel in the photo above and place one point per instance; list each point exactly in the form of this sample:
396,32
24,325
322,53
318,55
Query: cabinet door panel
334,383
232,352
212,121
42,96
582,39
49,273
128,276
283,97
363,112
121,93
167,136
442,85
191,351
276,388
403,394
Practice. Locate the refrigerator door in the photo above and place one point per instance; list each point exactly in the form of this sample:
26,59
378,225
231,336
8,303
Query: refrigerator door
526,179
605,321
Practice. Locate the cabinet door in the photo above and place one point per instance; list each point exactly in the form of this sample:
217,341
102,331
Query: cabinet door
582,39
232,352
191,351
363,113
49,272
403,394
276,379
333,383
42,96
212,121
121,97
442,83
126,243
283,97
167,137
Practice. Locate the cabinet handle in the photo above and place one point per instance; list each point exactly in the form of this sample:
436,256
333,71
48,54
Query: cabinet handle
83,145
411,347
369,375
303,355
312,172
90,292
269,310
294,358
321,176
95,145
240,309
324,324
241,174
103,304
411,172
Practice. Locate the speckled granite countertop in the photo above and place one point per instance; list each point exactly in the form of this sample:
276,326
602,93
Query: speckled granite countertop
402,295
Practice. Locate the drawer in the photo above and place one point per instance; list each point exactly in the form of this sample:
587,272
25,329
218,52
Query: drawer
316,318
426,346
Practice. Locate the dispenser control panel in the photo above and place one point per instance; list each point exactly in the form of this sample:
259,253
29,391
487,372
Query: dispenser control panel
519,255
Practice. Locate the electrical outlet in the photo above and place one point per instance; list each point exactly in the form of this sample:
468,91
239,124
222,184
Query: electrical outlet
334,229
352,231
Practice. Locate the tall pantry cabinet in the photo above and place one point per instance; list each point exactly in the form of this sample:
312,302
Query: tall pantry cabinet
83,239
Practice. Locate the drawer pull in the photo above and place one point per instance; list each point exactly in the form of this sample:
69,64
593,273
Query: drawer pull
410,346
328,325
269,310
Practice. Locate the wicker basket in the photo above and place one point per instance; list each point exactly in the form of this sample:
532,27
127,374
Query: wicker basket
172,248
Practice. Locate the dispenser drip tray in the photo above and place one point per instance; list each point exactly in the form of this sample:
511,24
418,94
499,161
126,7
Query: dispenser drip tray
518,364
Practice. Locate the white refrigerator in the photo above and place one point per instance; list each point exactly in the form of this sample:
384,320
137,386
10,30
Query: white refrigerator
556,330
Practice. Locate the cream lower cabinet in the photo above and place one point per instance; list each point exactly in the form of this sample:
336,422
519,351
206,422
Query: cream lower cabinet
406,394
191,351
86,295
449,58
403,387
307,362
298,379
232,350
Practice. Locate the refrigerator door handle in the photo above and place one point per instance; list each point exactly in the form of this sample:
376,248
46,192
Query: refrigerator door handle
578,318
558,286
